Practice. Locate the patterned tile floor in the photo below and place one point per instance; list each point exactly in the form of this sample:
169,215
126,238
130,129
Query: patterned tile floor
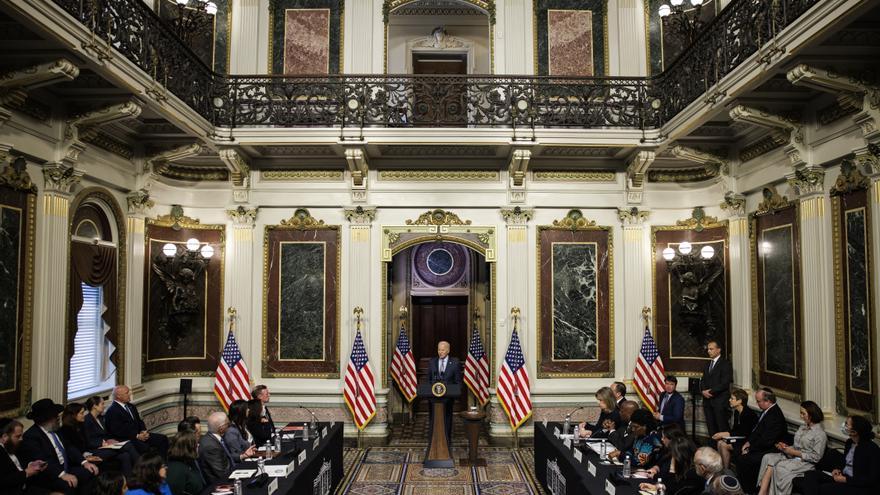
397,469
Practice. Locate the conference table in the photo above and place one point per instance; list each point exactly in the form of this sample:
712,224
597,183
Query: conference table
562,467
318,464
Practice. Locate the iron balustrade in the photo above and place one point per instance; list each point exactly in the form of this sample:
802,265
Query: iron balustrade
135,31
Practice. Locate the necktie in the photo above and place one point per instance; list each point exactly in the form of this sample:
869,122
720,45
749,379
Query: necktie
60,448
128,409
663,403
228,454
711,365
443,365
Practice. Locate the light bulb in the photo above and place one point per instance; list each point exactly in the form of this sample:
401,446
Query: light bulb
707,252
211,8
696,3
182,3
685,248
676,3
668,254
207,251
192,244
665,10
169,250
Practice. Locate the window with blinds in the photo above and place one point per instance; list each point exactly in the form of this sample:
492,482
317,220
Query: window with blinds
88,349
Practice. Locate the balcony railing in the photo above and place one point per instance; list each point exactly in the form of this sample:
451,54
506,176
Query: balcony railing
135,31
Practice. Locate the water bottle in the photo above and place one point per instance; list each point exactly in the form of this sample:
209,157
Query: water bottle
566,425
627,467
576,435
306,433
268,447
661,488
278,442
261,465
603,451
236,488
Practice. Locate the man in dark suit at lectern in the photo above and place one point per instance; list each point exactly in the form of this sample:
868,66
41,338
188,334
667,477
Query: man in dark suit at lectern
447,369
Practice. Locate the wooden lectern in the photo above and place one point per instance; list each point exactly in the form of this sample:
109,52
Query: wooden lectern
439,455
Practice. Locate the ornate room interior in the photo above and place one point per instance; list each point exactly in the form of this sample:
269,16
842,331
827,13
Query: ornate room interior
438,163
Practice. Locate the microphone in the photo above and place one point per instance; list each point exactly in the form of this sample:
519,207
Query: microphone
568,416
314,423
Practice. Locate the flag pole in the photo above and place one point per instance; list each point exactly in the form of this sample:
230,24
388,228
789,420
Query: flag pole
514,315
358,312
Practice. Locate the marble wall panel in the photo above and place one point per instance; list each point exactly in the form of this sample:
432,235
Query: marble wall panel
570,43
571,37
301,301
305,36
575,307
183,327
776,301
11,237
682,333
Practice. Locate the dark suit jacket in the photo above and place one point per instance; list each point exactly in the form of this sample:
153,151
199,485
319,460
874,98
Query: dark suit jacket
622,438
11,479
768,431
866,464
452,374
95,433
183,478
744,422
236,441
718,381
673,410
35,445
214,460
614,416
120,424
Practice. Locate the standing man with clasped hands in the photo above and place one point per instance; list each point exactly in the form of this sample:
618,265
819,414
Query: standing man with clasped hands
447,369
715,387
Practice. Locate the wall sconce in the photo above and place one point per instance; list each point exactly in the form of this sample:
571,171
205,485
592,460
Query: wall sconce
696,271
192,246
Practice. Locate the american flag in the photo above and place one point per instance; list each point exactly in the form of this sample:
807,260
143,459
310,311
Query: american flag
403,366
513,384
359,393
650,374
476,369
231,378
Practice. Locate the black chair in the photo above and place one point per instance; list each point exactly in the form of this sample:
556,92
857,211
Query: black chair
809,482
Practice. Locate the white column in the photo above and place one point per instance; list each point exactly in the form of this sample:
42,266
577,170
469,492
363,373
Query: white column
636,275
361,37
139,204
740,290
240,282
817,290
514,37
245,40
51,276
627,39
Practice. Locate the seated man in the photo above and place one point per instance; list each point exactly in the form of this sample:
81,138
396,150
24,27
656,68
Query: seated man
707,463
214,457
622,438
671,410
15,478
66,470
762,440
123,422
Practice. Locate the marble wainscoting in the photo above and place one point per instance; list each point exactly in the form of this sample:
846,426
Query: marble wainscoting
570,42
11,229
307,41
857,308
575,297
301,327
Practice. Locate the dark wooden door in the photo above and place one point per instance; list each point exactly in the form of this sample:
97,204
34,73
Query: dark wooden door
440,104
436,319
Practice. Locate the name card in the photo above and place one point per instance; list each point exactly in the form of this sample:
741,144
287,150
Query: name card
609,487
301,458
324,432
276,470
591,468
272,487
567,443
315,444
291,467
578,455
556,431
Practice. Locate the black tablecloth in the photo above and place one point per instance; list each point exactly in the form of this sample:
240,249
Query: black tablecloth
301,479
578,479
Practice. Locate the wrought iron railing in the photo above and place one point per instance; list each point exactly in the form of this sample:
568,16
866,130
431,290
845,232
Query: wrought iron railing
136,32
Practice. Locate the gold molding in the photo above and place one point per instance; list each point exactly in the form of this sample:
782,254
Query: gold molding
438,225
772,202
574,220
438,217
303,220
177,220
574,176
699,221
438,175
302,175
850,179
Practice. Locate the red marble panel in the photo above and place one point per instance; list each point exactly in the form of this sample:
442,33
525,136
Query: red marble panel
570,42
307,41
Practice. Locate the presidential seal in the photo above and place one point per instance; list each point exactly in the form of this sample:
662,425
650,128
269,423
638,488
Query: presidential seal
438,389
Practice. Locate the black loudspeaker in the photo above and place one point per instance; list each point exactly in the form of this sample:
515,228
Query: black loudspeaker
186,385
694,386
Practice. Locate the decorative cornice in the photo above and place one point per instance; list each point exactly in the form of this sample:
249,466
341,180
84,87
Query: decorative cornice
772,201
574,220
358,165
60,178
302,175
108,143
302,220
699,156
574,176
764,145
636,169
868,159
438,175
850,179
139,202
238,165
517,215
697,174
14,174
360,215
438,217
176,219
243,217
807,181
698,220
781,127
519,166
632,217
734,204
192,172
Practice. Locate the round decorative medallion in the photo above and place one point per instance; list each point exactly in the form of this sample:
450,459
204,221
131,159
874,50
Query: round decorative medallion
440,264
440,261
438,389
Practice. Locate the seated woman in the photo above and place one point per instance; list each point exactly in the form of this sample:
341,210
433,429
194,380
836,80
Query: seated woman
647,441
190,424
779,469
237,438
184,476
860,473
609,416
675,463
73,429
257,424
744,421
149,476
